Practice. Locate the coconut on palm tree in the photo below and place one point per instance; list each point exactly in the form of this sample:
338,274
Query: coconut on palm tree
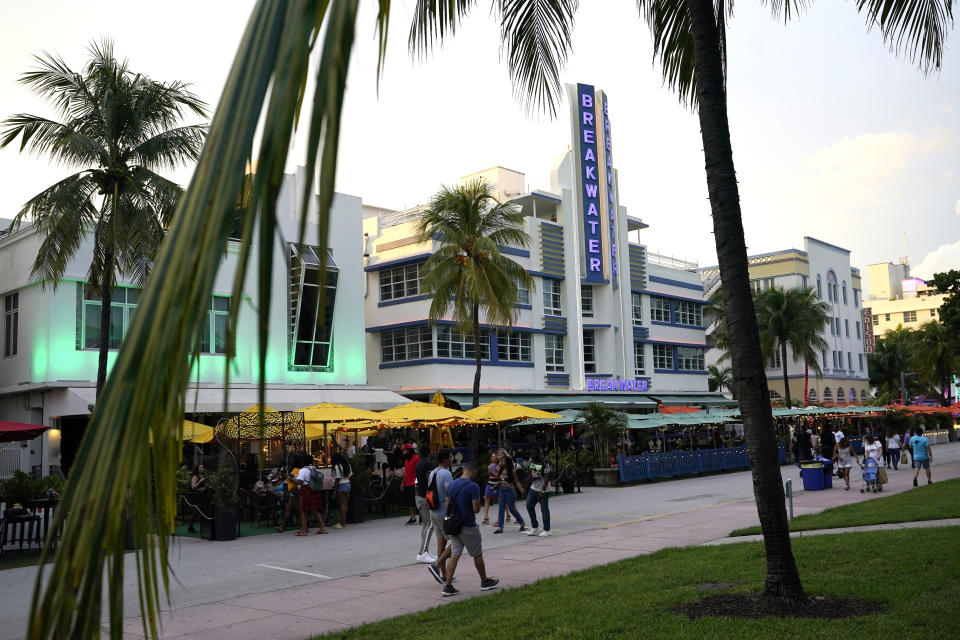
792,319
117,128
467,273
268,86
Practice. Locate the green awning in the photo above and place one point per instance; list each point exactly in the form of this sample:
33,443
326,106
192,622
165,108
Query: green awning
555,401
701,399
570,416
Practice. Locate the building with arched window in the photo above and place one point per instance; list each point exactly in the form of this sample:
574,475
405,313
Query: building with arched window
827,268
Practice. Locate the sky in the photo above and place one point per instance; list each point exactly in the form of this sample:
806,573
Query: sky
833,135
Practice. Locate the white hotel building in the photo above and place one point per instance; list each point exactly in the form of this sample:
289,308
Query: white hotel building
605,320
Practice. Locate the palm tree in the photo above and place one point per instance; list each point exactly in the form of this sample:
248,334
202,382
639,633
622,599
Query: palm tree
115,126
935,358
468,271
602,424
890,366
719,379
268,81
792,318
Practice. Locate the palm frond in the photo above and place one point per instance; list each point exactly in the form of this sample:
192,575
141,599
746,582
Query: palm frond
433,20
915,28
537,36
169,149
672,45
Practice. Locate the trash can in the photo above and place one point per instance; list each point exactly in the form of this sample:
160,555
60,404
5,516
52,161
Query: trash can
816,475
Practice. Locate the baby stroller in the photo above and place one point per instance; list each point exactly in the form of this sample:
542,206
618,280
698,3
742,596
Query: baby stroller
870,483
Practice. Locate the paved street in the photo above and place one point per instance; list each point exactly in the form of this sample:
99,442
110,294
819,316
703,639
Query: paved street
243,588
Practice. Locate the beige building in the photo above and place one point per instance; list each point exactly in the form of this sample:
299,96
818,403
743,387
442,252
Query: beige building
895,298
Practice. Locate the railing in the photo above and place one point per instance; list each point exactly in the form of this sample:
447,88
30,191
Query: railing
681,463
670,262
9,461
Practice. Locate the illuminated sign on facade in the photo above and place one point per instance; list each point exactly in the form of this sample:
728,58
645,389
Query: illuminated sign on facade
590,183
604,115
609,384
869,342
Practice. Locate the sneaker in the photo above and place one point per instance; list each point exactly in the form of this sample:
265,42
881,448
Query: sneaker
339,526
545,534
450,590
532,532
488,584
523,529
929,481
498,530
915,482
426,557
412,521
435,573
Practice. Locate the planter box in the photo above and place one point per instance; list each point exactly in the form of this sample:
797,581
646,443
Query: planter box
356,508
605,476
224,525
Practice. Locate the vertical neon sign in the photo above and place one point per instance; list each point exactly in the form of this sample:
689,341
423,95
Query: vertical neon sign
608,188
590,183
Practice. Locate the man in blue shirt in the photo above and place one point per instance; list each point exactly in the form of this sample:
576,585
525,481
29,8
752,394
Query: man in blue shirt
465,496
442,477
922,455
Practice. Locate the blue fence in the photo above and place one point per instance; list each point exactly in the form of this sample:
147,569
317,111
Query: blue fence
681,463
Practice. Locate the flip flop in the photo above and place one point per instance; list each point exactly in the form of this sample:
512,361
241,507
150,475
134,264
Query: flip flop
299,533
322,532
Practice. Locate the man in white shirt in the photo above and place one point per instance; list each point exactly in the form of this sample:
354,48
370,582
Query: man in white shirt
838,436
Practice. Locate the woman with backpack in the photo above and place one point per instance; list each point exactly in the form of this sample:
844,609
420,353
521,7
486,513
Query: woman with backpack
310,480
341,488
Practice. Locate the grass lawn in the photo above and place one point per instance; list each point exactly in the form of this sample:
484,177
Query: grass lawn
633,598
928,502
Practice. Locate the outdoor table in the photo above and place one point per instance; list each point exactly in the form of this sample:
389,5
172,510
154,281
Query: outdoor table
817,475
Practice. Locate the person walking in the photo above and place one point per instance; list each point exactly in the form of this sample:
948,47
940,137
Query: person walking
293,492
422,472
922,455
893,448
464,497
493,486
409,493
538,493
507,497
872,449
440,479
843,456
341,488
311,501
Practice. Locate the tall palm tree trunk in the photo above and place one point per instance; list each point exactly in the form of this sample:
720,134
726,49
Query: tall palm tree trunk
106,297
782,579
786,377
475,430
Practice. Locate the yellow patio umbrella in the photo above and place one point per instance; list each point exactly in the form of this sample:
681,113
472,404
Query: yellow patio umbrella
440,437
501,411
424,412
439,400
197,432
327,412
256,409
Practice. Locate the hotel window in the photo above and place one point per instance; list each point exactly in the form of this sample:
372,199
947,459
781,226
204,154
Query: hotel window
663,357
554,351
586,300
863,395
824,359
401,282
513,346
659,309
886,317
775,362
819,288
11,323
838,325
690,359
409,343
551,297
123,304
909,316
812,396
523,294
856,298
311,328
589,352
933,313
858,329
849,361
833,288
636,302
803,282
844,292
827,395
846,327
835,365
214,338
860,357
840,394
639,368
689,313
832,327
452,343
876,321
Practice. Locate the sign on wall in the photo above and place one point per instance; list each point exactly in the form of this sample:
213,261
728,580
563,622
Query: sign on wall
869,341
609,202
586,146
611,384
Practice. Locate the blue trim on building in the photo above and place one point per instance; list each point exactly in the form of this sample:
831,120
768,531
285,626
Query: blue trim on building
591,283
678,372
675,283
414,323
598,375
513,251
669,295
551,276
596,326
420,257
469,363
390,303
523,306
678,344
545,196
551,225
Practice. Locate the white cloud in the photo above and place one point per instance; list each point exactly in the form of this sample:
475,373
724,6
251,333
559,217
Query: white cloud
943,258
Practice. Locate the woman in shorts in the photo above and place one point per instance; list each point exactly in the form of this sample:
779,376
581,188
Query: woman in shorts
844,457
493,487
341,488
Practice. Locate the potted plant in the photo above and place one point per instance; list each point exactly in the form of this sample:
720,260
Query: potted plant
222,484
603,424
359,488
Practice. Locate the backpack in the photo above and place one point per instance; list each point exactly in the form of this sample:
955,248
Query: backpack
316,479
433,493
453,521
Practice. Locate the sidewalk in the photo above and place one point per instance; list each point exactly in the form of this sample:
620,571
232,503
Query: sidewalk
330,605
